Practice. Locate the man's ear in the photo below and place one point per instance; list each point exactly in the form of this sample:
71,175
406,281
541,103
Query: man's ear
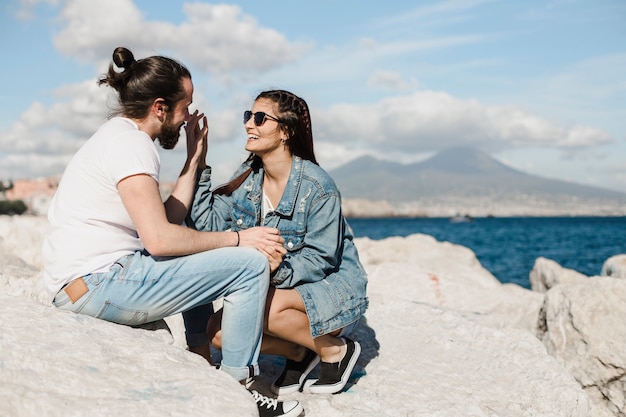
159,108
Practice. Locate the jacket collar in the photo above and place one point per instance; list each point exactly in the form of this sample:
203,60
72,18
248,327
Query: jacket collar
287,203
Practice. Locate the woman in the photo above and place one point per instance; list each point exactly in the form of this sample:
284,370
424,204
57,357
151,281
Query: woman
317,289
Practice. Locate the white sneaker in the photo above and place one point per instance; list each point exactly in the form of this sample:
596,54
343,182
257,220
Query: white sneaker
271,407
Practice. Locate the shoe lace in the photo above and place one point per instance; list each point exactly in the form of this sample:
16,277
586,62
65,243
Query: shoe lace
265,401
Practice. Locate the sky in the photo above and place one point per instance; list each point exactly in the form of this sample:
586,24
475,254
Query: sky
539,85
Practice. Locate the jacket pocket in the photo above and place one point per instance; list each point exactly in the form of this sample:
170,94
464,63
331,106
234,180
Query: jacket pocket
294,240
242,218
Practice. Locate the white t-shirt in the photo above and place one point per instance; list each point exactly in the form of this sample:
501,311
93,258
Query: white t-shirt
266,207
89,227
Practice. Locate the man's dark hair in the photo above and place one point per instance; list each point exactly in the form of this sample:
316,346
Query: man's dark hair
141,82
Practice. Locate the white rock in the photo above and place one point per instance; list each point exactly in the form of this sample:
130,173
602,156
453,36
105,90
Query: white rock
614,267
421,269
22,237
583,328
442,337
56,363
546,274
433,362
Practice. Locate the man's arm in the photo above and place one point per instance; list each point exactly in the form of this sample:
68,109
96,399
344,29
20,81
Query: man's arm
178,203
140,195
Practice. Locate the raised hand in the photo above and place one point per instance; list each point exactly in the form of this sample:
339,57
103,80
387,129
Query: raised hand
197,138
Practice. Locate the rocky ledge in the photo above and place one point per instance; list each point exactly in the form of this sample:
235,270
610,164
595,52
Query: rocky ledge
442,337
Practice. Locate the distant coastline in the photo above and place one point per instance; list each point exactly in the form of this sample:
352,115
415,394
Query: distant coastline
465,182
38,193
480,207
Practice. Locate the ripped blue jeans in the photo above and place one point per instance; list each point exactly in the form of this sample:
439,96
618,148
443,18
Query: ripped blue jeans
140,289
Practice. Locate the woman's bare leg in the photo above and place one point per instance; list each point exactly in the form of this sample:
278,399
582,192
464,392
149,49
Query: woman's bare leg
286,319
286,329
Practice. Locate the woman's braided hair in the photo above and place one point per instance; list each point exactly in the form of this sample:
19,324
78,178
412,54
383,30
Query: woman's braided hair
295,118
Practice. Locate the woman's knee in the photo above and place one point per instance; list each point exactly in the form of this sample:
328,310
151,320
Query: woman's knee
216,340
214,329
284,311
281,300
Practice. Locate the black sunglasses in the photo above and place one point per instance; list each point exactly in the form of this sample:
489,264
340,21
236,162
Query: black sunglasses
259,117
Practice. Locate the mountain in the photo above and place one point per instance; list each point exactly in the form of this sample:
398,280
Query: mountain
464,161
459,173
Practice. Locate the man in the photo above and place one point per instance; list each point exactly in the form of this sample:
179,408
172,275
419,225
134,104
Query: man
115,251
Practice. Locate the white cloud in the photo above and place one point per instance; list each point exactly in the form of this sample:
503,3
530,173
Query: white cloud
232,41
215,38
389,80
241,56
44,138
427,120
31,165
91,30
60,128
423,121
331,155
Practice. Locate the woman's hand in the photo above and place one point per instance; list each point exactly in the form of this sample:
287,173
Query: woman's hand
266,240
197,139
275,256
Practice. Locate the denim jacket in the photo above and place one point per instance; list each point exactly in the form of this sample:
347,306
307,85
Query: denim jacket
308,216
318,239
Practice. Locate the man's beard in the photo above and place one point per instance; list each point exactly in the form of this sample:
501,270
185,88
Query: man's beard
168,138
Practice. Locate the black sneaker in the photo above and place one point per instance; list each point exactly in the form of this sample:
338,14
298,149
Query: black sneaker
271,407
295,373
334,376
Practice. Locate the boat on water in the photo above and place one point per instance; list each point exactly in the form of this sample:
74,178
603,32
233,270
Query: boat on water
461,218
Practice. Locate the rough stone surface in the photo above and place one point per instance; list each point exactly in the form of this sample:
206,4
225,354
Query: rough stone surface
614,267
583,327
546,274
442,337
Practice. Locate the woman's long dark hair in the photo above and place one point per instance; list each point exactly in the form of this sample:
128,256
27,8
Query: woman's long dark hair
295,119
141,82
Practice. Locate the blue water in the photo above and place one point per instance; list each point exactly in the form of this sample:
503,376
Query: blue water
508,247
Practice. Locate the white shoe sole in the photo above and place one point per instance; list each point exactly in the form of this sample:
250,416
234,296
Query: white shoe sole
294,412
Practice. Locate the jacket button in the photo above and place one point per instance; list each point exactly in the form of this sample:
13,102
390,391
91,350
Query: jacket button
290,245
239,222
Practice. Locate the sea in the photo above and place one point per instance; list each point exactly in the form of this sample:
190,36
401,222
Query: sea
509,246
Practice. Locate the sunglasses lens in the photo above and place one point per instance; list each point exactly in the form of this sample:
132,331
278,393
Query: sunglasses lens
259,118
246,116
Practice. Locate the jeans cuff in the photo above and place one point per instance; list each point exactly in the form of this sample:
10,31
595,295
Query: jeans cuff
241,374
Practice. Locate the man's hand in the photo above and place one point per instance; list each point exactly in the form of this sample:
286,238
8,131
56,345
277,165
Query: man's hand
260,237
